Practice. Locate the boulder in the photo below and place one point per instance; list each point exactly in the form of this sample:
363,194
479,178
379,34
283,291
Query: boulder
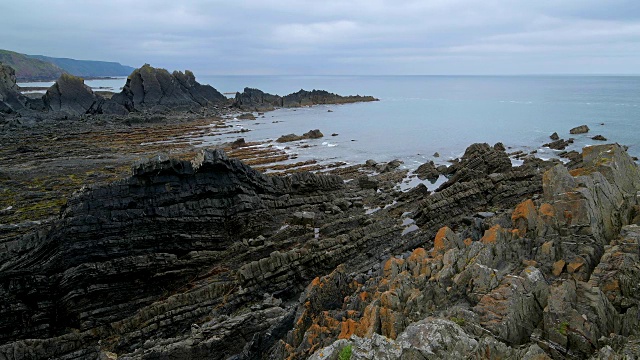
582,129
427,171
599,138
554,136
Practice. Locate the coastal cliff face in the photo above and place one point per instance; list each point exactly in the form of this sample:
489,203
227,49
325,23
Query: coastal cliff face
212,259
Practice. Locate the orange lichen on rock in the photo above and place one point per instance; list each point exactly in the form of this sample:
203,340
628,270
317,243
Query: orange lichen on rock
577,172
558,266
467,241
347,328
524,217
491,235
418,254
370,321
547,210
388,321
612,285
575,265
392,267
438,241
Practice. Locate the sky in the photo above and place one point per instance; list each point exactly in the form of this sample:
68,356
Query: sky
334,37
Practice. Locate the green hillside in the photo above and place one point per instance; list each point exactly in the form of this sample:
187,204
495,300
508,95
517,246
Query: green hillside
30,69
44,68
88,68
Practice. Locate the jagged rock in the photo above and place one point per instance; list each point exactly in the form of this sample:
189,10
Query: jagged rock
560,144
148,87
70,95
478,161
11,100
554,136
315,97
599,138
201,259
582,129
311,134
427,171
257,100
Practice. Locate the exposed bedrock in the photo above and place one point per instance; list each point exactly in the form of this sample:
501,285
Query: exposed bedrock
212,259
547,279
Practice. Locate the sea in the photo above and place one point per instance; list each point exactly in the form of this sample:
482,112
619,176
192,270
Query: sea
418,116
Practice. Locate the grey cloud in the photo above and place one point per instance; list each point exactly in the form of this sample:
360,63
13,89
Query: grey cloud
333,37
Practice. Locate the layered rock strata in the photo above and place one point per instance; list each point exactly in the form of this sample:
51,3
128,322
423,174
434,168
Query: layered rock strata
212,259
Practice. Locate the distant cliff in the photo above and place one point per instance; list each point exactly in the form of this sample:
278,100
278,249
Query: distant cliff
44,68
27,68
87,68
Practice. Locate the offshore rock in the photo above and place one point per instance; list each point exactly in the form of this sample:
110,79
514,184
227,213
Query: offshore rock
311,134
257,100
582,129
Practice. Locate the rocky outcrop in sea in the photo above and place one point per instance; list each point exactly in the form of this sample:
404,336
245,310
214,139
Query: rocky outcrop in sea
257,100
211,259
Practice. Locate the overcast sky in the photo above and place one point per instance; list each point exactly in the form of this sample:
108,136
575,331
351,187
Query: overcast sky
334,36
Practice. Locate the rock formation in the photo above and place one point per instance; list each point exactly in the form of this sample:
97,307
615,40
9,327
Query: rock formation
11,100
69,94
311,134
257,100
428,171
582,129
150,88
212,259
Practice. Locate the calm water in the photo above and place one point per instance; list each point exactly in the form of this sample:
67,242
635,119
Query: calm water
419,115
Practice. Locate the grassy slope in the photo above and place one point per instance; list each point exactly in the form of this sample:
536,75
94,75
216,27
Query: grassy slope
44,68
28,68
88,68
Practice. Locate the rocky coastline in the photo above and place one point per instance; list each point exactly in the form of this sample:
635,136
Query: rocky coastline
200,254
